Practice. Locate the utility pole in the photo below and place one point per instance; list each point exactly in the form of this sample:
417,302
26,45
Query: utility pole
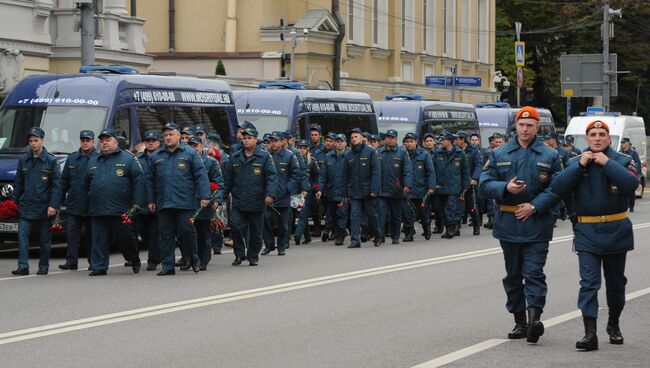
87,8
453,83
292,33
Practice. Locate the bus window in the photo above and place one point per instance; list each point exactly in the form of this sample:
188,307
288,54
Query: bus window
438,127
342,123
122,125
153,118
215,120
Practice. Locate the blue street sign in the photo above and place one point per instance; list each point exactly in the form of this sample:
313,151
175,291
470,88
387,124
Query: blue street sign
520,53
595,110
444,81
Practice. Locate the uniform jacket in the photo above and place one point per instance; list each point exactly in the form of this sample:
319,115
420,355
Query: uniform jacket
452,171
534,165
474,161
424,175
178,178
396,171
72,180
288,177
331,176
37,185
596,191
250,179
303,183
313,172
145,162
215,176
362,173
637,161
113,184
318,153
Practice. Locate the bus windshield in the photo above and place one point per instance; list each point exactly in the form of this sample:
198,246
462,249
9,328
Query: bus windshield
61,124
451,126
339,123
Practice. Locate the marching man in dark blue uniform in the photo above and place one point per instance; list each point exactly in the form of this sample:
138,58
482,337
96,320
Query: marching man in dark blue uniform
626,148
250,176
113,184
424,183
396,182
361,185
332,189
452,180
37,192
475,163
599,180
178,179
72,178
288,183
516,175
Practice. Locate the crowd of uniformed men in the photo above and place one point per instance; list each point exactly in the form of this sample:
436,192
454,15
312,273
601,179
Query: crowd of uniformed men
363,185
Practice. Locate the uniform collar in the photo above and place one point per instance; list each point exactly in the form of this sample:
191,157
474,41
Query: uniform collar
42,156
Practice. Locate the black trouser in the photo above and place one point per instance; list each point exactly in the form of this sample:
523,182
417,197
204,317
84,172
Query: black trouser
203,240
124,234
391,210
174,223
147,227
415,210
470,204
242,222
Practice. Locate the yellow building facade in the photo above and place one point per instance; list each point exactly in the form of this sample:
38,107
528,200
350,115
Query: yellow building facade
390,46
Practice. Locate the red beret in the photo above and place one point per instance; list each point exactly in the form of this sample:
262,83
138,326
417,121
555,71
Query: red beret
597,124
527,112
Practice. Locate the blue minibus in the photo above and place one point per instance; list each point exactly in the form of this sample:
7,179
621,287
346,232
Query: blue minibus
499,117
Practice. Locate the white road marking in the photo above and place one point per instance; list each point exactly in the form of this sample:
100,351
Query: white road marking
488,344
139,313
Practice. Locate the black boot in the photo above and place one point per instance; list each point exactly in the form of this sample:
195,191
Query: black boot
457,229
535,326
477,228
427,231
489,224
438,226
408,235
340,237
449,232
519,331
590,341
614,331
365,236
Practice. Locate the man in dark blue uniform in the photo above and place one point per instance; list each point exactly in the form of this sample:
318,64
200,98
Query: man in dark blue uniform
37,192
452,181
250,176
313,172
424,183
516,175
599,182
178,179
396,182
288,183
72,178
146,222
318,150
204,219
332,189
113,184
475,163
362,184
626,148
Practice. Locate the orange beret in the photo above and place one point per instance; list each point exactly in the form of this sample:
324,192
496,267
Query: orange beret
527,112
597,124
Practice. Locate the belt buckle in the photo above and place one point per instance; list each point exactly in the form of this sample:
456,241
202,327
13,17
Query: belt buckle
603,218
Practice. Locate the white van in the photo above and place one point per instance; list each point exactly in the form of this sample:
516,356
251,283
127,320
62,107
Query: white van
619,126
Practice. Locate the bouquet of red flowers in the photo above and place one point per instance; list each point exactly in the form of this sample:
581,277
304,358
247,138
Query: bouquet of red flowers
8,209
219,219
127,217
213,187
56,226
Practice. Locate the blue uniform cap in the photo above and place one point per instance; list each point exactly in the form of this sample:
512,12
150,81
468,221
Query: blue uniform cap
331,135
341,137
187,130
276,136
266,137
246,124
374,137
410,136
195,140
429,135
551,136
447,136
250,131
86,134
391,133
355,130
37,132
461,134
303,143
151,135
382,136
171,126
569,139
317,128
199,129
214,136
108,133
626,139
288,134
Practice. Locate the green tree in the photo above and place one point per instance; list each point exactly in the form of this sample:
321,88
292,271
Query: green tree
220,69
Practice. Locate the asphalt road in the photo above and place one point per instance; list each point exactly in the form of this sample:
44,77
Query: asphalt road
428,303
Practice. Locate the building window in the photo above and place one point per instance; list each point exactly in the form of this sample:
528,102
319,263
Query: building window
407,71
380,23
408,25
355,21
427,70
482,39
449,28
467,30
428,29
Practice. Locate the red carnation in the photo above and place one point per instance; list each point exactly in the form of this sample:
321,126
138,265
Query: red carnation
8,209
214,186
398,184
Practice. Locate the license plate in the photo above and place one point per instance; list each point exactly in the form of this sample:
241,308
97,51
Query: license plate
8,227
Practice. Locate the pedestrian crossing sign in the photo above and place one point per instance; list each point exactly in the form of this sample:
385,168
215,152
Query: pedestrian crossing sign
520,53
